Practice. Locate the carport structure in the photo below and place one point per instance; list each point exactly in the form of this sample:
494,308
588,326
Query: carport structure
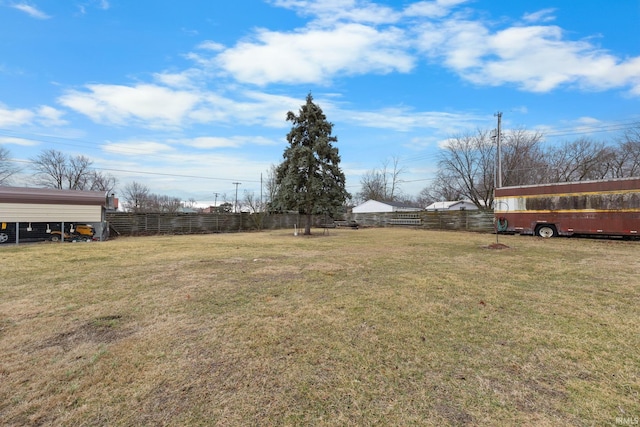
32,213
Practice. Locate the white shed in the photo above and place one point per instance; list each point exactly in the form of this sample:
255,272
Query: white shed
456,205
374,206
36,208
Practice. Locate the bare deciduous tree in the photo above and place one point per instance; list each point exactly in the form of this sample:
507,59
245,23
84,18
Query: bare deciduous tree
382,184
51,168
394,174
271,187
136,197
627,154
7,169
190,204
373,186
467,166
523,162
55,169
102,182
78,172
579,160
255,206
441,189
163,203
252,202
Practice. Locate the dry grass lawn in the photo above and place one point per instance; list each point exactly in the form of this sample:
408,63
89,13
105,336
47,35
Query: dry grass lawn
359,327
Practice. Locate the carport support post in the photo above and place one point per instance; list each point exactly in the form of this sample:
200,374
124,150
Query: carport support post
62,232
17,233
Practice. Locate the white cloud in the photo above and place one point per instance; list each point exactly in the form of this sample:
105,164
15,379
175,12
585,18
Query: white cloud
158,107
316,55
627,71
49,116
587,125
209,142
31,11
432,9
210,45
249,108
445,143
268,109
544,15
137,148
43,115
10,118
590,121
187,79
328,12
167,154
540,60
465,42
18,141
150,105
358,41
403,120
344,38
99,4
522,109
535,58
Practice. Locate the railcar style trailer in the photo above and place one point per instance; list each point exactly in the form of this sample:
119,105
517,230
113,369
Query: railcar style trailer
604,208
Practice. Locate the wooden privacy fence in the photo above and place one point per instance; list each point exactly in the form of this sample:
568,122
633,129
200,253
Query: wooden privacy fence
480,221
124,223
127,224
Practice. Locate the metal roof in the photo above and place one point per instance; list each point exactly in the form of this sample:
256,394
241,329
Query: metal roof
29,195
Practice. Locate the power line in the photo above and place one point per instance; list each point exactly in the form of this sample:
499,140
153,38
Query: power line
585,130
148,173
592,129
88,145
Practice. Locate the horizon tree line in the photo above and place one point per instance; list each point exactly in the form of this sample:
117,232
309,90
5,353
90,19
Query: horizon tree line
466,170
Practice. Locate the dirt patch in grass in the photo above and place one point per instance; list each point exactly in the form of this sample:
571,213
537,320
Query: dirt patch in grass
100,330
453,416
496,246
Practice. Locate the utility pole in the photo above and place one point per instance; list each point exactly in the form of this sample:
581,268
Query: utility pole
235,207
499,157
217,212
498,182
261,206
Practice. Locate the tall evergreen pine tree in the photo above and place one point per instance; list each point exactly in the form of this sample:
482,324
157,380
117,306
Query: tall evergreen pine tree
309,179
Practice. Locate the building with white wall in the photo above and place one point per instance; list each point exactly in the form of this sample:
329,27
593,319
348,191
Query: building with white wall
374,206
456,205
25,211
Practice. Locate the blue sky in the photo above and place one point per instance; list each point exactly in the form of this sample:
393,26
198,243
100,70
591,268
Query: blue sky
188,97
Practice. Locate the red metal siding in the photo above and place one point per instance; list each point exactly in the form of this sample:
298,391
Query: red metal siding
571,187
615,223
609,207
51,196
